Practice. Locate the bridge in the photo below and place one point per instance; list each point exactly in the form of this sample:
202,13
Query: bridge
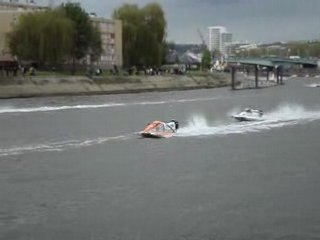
269,64
274,62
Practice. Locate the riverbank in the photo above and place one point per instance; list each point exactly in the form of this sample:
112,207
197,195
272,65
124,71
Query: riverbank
22,87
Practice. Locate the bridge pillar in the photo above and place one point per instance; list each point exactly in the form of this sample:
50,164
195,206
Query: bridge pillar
256,76
278,74
233,78
279,71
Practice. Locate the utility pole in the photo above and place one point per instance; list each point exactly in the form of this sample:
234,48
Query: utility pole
203,41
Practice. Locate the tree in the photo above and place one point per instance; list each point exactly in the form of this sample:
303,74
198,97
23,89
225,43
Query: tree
170,46
315,49
144,32
206,59
42,36
95,44
85,37
156,26
56,35
130,17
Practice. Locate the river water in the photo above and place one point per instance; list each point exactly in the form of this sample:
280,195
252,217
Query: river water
74,168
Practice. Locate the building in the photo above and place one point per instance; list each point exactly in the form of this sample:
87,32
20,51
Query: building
226,40
20,5
219,39
9,13
239,48
111,35
111,31
214,42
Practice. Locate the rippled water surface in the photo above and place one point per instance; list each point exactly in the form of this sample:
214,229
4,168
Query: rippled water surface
75,168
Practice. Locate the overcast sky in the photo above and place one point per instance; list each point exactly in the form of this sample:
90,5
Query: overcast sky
251,20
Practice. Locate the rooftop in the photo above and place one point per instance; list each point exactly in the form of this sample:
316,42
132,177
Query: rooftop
20,5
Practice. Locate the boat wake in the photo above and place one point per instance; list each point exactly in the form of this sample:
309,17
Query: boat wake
54,108
313,85
196,126
280,117
9,109
60,146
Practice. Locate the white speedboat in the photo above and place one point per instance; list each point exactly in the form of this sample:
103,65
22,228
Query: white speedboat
315,85
249,114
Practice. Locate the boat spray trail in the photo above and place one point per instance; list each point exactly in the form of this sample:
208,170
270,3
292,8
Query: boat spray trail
17,110
60,146
285,115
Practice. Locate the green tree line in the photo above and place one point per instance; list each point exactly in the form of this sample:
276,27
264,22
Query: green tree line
307,49
55,35
206,59
310,49
67,34
144,33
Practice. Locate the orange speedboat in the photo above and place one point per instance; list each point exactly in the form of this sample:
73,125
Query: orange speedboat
158,129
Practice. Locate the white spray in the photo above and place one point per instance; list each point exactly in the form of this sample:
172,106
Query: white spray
285,115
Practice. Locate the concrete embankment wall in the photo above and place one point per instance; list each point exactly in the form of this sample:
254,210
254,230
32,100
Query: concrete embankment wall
54,86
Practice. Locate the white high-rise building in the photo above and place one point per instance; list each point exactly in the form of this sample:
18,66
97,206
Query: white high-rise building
226,41
219,39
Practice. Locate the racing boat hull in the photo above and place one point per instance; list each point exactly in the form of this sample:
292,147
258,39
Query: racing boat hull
246,119
155,135
249,115
157,129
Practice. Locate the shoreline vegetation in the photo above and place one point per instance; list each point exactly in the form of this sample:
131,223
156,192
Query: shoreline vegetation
45,86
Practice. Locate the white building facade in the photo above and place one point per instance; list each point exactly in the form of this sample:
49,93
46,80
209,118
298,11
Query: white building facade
219,39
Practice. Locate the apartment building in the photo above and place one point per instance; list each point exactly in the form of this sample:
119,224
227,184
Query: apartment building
219,39
111,35
9,13
111,31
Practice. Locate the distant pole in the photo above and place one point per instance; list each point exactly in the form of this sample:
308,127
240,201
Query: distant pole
233,78
256,76
281,75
